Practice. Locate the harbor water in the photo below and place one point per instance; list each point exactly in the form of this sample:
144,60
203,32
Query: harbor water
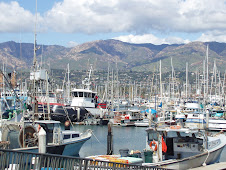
132,138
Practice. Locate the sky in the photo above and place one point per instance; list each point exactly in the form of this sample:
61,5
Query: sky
73,22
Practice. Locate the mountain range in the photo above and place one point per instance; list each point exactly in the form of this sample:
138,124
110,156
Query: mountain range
115,53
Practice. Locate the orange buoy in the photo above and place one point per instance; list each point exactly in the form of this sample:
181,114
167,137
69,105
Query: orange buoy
153,143
67,123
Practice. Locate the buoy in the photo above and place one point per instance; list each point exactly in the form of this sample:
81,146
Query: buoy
42,141
78,113
153,143
67,123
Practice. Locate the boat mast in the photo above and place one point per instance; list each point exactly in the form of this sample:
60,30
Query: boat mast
68,83
186,90
172,78
34,62
107,86
112,93
117,83
215,78
219,90
160,77
207,72
204,86
47,95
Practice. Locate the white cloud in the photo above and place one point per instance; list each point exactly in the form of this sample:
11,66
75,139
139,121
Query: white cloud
133,16
149,38
14,18
140,16
72,44
218,36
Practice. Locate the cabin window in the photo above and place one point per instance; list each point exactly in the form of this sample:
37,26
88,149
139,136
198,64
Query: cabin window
75,135
89,95
152,136
93,95
51,95
66,136
85,94
50,127
75,94
80,94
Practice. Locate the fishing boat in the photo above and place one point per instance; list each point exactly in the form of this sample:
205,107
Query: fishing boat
25,137
191,106
83,105
126,117
199,120
142,123
217,124
86,98
175,147
195,120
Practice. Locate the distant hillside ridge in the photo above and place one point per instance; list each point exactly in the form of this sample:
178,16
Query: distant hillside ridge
128,56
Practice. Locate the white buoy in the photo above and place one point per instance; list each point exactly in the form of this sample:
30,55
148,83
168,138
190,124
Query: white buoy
101,113
78,113
42,141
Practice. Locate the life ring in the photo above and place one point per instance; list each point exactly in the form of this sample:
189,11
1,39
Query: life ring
155,145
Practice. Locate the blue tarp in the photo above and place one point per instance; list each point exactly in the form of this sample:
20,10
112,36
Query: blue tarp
219,114
153,111
160,104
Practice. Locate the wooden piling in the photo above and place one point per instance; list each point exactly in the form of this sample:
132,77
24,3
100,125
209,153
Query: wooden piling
109,140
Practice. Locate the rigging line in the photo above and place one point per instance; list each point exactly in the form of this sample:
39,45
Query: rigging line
65,110
98,140
10,85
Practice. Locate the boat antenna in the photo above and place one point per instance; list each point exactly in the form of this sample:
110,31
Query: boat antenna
35,60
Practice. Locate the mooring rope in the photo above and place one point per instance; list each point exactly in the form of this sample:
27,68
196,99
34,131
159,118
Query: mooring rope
204,163
99,140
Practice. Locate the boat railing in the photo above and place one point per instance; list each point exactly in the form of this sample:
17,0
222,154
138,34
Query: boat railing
11,159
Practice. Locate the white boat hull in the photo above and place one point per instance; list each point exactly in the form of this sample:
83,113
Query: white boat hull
205,158
195,161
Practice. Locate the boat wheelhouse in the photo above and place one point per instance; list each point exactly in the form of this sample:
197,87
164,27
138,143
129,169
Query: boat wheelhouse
83,98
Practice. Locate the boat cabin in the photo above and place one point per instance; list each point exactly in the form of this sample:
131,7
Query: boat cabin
54,133
174,142
83,98
195,120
